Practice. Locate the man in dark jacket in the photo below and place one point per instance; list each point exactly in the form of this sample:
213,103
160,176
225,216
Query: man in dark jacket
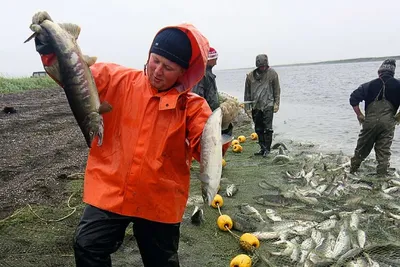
382,100
262,92
207,88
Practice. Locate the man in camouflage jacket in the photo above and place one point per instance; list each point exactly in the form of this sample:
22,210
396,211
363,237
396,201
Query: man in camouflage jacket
262,97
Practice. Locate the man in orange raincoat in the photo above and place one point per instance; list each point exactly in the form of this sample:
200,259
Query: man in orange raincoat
141,172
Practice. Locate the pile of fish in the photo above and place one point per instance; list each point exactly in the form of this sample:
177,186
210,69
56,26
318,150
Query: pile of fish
321,215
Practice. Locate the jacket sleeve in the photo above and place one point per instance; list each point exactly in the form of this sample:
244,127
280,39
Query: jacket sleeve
277,90
358,96
199,88
109,77
198,114
247,92
211,93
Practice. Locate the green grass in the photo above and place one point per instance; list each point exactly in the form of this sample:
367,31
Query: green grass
15,85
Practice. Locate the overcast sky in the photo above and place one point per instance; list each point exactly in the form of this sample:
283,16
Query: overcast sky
289,31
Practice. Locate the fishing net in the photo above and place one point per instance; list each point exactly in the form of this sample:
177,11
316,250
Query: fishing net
288,188
373,201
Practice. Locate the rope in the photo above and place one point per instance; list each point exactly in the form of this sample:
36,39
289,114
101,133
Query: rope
60,219
253,251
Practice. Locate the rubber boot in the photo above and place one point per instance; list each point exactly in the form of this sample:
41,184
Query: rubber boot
267,142
261,142
382,169
354,164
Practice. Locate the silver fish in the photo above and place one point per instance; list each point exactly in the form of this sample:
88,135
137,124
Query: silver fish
197,215
281,159
271,214
211,156
231,190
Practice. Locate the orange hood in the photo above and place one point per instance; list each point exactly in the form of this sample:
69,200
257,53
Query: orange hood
198,62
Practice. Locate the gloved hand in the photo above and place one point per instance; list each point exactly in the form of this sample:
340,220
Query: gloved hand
397,118
230,110
276,108
361,118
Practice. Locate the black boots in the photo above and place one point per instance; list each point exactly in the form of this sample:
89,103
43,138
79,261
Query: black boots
261,142
265,141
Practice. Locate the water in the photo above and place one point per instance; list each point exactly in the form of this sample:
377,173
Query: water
315,103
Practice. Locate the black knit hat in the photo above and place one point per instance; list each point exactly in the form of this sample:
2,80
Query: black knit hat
174,45
388,66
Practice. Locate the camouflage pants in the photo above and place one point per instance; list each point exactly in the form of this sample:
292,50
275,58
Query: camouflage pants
263,126
377,132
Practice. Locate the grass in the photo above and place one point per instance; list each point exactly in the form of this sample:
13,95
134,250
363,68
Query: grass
15,85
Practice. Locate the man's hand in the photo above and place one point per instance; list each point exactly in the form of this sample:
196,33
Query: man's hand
230,110
276,108
361,118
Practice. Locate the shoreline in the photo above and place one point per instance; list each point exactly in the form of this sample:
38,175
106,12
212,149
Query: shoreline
339,61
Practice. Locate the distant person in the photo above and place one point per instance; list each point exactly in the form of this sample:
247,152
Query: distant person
382,100
207,88
263,90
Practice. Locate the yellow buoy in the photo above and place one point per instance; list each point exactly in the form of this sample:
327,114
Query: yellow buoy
254,136
241,260
217,200
224,222
237,148
249,241
223,162
242,138
235,142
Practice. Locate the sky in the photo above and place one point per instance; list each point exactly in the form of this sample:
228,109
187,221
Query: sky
288,31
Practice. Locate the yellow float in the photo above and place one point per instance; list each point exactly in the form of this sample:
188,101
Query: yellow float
235,142
224,222
254,136
242,139
217,200
248,242
241,260
237,148
223,163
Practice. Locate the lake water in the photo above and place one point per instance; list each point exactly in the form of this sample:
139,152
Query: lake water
315,103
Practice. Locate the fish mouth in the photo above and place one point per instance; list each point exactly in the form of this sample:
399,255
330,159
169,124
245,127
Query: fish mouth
31,37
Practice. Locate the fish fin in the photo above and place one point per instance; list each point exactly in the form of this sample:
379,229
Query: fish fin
89,60
226,138
71,28
105,107
53,71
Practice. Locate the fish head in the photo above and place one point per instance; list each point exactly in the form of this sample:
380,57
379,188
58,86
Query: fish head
94,127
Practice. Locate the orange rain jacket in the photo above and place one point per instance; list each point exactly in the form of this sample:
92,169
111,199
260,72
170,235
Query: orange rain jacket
142,168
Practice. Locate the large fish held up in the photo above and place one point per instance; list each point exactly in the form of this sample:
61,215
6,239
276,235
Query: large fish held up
70,69
211,155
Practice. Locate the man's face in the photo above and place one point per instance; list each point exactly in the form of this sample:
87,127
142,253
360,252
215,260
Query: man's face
262,68
212,62
162,72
